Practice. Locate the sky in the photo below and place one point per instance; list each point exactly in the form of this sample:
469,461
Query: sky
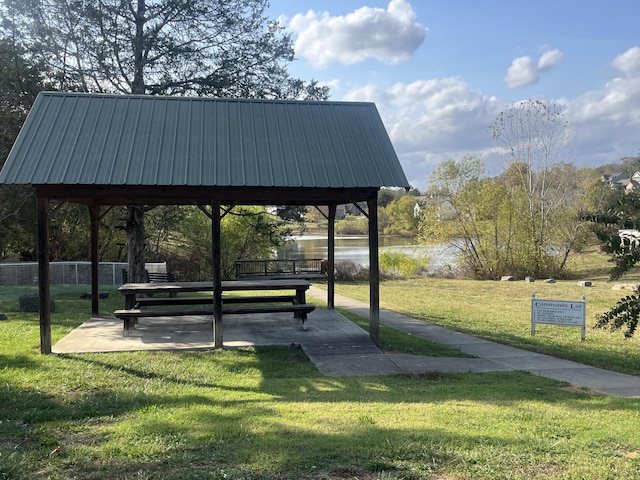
440,71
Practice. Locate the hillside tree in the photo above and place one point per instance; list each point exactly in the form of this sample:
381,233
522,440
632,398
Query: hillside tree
20,81
616,224
158,47
535,137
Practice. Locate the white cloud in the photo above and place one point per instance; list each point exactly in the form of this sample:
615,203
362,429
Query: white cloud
549,59
524,71
430,121
628,62
390,36
607,120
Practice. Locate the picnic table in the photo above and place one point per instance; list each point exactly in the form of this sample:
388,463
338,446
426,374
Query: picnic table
139,296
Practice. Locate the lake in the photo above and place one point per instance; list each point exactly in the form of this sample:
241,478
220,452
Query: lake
356,249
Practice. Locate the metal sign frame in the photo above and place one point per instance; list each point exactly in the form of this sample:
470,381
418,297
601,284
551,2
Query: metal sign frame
565,313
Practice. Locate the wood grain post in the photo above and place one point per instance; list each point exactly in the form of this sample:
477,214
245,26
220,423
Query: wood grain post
331,256
94,214
216,275
43,275
374,272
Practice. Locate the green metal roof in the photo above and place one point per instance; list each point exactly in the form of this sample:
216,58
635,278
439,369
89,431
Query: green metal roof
134,140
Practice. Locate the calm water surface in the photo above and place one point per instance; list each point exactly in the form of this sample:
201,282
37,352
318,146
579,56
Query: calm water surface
356,249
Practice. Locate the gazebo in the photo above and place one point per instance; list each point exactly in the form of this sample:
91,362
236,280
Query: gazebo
102,150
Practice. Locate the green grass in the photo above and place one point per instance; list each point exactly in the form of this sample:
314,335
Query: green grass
394,341
501,311
267,413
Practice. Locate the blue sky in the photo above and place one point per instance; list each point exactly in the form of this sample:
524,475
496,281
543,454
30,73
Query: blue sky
441,71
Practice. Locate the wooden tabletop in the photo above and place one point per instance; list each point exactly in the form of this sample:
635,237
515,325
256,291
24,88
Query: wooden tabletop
231,285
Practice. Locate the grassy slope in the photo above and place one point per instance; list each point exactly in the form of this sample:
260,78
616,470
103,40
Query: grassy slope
268,413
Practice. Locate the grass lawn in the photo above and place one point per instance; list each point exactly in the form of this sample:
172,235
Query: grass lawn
501,312
267,413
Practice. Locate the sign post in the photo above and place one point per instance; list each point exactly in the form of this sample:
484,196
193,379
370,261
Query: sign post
559,312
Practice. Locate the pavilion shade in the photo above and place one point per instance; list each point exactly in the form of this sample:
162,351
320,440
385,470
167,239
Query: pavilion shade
134,140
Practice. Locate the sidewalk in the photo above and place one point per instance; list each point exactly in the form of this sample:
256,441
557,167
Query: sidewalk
364,358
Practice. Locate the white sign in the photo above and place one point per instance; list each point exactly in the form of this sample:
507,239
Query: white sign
558,312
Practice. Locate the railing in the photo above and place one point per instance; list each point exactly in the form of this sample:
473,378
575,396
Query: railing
280,268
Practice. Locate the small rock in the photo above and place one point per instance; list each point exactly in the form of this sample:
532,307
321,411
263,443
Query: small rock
507,278
550,280
584,283
87,295
30,302
529,279
625,286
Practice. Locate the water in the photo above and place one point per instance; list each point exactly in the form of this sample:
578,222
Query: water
356,249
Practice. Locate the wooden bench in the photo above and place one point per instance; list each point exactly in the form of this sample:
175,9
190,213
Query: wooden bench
131,316
155,302
140,296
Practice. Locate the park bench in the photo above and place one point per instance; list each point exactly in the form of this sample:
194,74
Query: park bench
131,316
137,307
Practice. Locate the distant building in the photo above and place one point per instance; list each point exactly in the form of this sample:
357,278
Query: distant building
622,181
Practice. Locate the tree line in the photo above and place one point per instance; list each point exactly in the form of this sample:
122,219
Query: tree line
526,220
151,47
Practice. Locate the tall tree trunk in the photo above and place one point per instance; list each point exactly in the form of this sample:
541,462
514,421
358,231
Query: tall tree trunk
135,214
135,243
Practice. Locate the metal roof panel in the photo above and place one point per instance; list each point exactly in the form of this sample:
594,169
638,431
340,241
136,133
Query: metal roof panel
96,139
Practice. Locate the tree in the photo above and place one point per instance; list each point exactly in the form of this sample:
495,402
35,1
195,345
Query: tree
20,82
482,219
622,214
535,137
615,216
169,47
247,232
401,215
470,213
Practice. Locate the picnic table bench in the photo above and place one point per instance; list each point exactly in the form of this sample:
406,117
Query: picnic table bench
140,296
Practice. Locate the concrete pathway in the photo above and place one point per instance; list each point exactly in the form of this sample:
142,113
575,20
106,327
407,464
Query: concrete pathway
341,348
344,359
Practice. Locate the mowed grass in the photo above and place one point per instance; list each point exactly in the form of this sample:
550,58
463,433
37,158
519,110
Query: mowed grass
501,311
267,413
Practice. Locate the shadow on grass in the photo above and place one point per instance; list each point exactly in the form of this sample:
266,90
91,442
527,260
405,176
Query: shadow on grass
253,413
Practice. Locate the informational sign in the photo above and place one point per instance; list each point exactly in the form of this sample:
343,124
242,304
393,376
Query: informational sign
559,312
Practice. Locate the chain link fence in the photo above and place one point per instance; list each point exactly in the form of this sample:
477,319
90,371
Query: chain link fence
68,273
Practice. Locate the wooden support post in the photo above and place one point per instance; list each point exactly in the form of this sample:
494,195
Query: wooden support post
374,272
331,250
94,214
216,270
43,275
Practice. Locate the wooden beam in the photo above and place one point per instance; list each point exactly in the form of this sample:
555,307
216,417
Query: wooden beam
192,195
94,215
218,339
43,275
374,272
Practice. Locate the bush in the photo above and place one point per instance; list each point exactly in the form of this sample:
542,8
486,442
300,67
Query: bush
403,264
352,226
348,270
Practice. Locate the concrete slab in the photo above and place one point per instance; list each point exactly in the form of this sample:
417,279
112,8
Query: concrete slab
339,347
595,379
493,350
493,356
417,364
352,364
166,333
537,362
